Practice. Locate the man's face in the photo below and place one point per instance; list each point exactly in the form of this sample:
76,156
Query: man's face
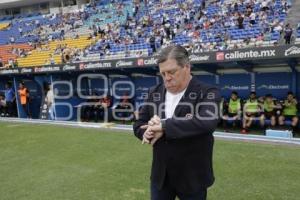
174,76
252,96
233,96
290,97
269,99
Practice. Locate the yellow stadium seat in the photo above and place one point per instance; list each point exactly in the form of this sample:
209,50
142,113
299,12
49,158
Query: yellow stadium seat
38,58
3,26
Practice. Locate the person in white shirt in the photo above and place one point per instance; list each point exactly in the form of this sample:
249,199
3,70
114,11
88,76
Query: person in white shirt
49,100
252,18
264,5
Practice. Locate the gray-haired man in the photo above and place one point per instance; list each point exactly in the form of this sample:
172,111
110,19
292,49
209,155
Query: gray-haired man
178,119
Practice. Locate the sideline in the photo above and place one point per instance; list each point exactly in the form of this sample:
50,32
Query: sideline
112,126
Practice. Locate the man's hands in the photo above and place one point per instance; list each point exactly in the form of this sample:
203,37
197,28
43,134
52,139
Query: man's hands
153,130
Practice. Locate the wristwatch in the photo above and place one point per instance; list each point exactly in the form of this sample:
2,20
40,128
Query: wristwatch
163,124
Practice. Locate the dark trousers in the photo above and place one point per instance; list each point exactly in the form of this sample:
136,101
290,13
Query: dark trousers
168,192
10,108
26,110
288,39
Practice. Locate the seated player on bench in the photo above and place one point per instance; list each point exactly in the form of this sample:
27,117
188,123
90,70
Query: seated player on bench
234,110
290,111
270,109
252,111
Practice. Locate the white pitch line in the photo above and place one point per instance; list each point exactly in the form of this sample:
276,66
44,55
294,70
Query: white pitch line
13,125
279,140
217,134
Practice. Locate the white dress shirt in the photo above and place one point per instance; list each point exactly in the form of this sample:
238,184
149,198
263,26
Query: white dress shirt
171,102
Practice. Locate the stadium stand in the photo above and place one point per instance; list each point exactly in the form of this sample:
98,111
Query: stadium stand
51,52
134,28
12,52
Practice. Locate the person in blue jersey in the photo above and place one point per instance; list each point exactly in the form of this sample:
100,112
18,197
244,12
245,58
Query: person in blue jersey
10,98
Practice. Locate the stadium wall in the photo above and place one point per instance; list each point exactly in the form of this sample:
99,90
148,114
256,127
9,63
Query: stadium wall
76,88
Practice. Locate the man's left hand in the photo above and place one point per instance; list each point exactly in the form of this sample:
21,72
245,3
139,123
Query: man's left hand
155,128
158,133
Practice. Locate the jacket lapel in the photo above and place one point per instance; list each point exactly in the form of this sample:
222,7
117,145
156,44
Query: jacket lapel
186,97
161,102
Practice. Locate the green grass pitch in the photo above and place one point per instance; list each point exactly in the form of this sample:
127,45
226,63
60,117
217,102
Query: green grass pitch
44,162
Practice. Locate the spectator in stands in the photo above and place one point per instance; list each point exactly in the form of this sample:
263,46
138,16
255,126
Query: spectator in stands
15,51
270,108
252,111
11,63
16,64
260,37
288,31
52,60
152,43
240,21
234,110
62,34
198,48
90,36
290,111
24,99
12,39
277,26
1,63
252,18
37,23
20,30
50,38
23,53
10,98
264,5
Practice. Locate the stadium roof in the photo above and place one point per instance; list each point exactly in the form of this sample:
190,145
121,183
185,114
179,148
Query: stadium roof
18,3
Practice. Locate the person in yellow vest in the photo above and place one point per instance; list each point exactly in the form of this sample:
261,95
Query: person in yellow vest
252,110
24,99
270,108
233,110
290,111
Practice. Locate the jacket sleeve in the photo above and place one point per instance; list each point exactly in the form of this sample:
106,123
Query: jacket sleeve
203,122
144,115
